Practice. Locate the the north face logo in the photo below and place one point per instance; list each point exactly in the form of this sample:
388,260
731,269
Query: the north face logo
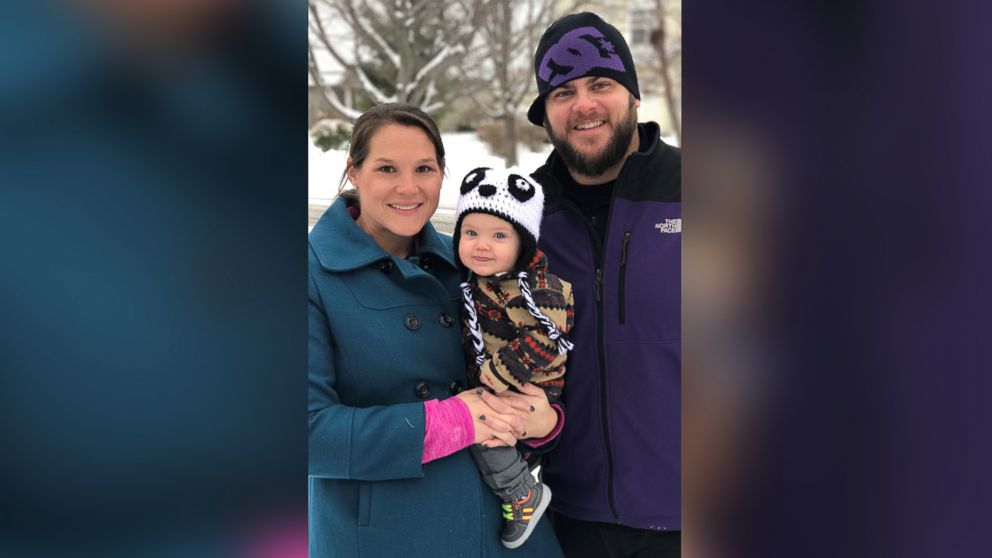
669,226
577,52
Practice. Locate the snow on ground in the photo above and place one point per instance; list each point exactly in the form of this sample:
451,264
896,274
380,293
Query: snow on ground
464,152
323,173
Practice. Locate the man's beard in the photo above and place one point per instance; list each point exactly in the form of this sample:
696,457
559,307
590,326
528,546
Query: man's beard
614,152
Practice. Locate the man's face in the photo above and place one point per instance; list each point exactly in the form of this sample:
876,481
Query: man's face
591,122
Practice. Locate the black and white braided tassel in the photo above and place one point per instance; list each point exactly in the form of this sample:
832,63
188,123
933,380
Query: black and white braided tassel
564,345
473,324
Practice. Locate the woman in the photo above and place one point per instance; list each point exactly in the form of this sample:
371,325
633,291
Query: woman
388,417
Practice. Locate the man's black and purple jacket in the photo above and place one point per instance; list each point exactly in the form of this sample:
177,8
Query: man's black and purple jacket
618,458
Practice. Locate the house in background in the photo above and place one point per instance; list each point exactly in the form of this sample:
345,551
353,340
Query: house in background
318,108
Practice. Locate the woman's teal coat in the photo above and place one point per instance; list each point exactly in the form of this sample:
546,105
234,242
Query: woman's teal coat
383,337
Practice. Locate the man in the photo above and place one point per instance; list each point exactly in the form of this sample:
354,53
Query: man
612,228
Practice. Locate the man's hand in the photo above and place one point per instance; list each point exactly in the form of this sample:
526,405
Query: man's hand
530,405
493,428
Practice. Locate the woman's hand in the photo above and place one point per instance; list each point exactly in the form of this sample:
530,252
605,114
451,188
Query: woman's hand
493,427
530,405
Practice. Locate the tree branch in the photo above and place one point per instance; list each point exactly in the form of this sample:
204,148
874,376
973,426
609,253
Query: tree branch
342,111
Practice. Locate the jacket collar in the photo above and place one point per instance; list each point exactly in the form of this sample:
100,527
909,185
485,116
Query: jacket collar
341,245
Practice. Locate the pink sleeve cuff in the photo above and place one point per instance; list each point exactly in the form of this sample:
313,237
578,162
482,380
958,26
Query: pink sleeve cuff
448,428
538,442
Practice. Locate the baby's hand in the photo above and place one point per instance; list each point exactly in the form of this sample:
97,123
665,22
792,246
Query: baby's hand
484,378
487,378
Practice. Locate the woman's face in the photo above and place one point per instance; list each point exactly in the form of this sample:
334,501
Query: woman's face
399,185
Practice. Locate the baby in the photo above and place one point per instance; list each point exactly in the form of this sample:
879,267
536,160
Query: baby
515,317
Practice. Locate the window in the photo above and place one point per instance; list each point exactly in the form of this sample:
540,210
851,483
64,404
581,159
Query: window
642,22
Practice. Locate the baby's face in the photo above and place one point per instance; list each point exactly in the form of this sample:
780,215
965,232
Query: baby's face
488,245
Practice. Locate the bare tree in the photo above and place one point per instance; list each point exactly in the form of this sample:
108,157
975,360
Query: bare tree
500,67
659,41
399,51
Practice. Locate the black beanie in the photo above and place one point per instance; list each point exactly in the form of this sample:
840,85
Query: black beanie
575,46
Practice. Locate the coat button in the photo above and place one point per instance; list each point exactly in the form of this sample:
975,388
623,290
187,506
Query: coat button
446,320
456,387
412,322
425,263
422,390
385,266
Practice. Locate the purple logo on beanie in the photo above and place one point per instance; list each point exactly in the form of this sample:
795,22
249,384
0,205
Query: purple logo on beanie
577,52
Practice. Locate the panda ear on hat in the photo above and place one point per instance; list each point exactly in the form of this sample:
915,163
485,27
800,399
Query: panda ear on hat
473,179
521,187
525,198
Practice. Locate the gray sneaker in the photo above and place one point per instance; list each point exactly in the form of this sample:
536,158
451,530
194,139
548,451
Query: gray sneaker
520,516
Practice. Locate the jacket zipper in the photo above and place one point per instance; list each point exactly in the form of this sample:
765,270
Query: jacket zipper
601,349
601,345
623,278
602,395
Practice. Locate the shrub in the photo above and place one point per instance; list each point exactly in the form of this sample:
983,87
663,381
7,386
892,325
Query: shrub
493,133
331,134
